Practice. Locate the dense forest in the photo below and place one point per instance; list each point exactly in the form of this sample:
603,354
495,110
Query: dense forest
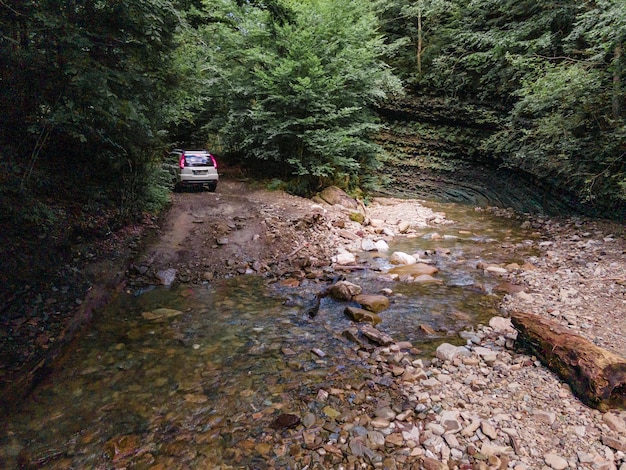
295,92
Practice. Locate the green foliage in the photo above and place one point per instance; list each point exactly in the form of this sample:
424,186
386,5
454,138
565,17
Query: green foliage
557,68
293,97
87,85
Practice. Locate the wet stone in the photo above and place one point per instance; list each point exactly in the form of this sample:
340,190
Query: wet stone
361,315
122,447
285,421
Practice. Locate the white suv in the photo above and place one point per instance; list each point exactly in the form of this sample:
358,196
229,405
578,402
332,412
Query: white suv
195,167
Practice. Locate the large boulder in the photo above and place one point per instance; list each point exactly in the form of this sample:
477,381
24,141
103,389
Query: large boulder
336,196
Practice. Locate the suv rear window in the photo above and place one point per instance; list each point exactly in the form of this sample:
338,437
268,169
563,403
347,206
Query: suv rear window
198,159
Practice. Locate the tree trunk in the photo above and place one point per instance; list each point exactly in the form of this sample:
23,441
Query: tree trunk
596,376
617,85
419,41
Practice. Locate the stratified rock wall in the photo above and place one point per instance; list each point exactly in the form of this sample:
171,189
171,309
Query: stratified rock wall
436,151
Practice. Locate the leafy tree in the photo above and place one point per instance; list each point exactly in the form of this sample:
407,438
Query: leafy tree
292,95
557,68
419,24
567,125
476,45
87,80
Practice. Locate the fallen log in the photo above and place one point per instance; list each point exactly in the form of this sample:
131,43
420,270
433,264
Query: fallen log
597,376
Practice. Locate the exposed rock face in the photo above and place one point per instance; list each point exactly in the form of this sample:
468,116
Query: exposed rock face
458,130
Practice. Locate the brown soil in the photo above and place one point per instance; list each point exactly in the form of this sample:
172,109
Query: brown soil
235,230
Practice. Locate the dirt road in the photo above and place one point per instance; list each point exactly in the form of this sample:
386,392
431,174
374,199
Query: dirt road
235,230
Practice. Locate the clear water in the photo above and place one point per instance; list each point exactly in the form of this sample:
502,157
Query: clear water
198,388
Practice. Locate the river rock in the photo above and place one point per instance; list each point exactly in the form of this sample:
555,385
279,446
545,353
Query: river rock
427,279
285,421
556,462
448,352
403,226
501,325
382,246
615,444
167,276
344,258
373,303
488,355
496,270
349,235
375,335
450,421
399,257
429,463
336,196
161,314
361,315
367,244
416,269
344,290
122,447
508,288
614,422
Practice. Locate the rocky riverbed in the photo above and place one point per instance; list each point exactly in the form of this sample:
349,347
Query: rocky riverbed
481,405
487,405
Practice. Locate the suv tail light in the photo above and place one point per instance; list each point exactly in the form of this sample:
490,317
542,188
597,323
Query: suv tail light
214,162
182,162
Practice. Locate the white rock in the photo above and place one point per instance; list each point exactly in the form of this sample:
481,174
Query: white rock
496,270
399,257
447,351
344,259
555,461
502,325
403,226
381,245
367,244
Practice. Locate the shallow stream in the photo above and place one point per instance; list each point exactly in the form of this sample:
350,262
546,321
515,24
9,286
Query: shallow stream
191,376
